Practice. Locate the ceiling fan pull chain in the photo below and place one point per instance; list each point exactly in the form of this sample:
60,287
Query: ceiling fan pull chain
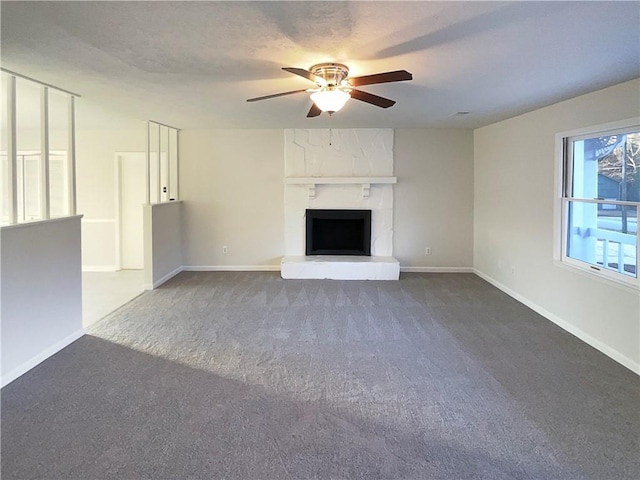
330,130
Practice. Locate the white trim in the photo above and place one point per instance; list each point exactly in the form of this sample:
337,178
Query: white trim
177,196
168,202
168,164
613,279
605,127
231,268
587,272
600,201
164,125
312,182
12,150
45,194
147,169
15,74
276,268
436,269
73,200
159,171
118,219
100,268
164,279
98,220
34,223
118,158
338,180
568,327
40,357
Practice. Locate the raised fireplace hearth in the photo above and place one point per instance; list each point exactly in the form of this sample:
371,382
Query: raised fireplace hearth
340,267
338,232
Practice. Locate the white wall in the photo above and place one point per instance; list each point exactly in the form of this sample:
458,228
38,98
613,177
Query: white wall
513,225
163,242
231,182
96,190
41,291
231,178
433,205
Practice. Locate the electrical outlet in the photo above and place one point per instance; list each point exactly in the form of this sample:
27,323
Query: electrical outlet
513,270
427,251
225,249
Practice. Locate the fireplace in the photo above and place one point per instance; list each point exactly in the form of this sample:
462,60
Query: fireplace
338,232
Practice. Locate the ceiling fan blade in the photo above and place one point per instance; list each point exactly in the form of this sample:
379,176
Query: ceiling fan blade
314,111
386,77
301,72
372,99
275,95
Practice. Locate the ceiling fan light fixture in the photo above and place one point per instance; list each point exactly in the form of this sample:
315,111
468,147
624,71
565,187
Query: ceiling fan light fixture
330,100
334,87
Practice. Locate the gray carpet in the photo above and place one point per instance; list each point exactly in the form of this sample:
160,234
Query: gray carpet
248,376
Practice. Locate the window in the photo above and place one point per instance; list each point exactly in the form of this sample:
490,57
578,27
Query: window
37,155
600,199
162,163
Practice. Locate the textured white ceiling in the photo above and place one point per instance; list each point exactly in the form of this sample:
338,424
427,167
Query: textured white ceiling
193,64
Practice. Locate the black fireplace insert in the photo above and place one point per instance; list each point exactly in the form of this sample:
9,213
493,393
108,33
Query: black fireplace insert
338,232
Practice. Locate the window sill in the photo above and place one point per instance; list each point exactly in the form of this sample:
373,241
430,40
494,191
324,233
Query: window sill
631,286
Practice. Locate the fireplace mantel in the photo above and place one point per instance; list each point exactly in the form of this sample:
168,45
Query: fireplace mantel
366,182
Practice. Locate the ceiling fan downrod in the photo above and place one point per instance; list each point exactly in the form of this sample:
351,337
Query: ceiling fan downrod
334,74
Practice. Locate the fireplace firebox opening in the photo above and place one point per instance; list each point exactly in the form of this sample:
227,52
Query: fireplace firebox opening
338,232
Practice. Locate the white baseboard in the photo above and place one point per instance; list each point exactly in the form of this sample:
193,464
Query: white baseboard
99,268
39,358
436,269
231,268
276,268
164,279
585,337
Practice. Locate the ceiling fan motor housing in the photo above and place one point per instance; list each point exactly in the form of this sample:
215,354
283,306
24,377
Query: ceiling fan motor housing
333,73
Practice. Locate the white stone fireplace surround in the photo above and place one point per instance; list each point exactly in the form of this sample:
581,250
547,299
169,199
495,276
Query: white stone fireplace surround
342,169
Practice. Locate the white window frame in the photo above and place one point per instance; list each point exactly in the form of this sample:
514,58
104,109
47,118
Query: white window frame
561,202
12,153
160,165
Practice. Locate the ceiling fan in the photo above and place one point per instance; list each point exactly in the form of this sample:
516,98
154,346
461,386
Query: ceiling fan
334,88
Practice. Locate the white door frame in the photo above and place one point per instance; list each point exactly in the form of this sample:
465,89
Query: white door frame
118,170
118,182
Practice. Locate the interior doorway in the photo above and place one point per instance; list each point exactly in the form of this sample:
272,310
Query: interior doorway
105,291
